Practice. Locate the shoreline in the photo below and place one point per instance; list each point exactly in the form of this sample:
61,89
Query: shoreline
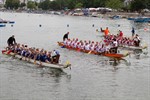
98,14
128,14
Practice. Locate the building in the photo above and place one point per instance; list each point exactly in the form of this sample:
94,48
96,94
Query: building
127,2
2,1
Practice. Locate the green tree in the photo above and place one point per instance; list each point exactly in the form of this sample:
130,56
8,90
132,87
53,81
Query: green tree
147,4
115,4
99,3
12,4
138,5
22,5
79,5
45,5
31,5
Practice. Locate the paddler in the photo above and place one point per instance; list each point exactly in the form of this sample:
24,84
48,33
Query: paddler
137,40
120,33
115,46
106,31
55,56
133,32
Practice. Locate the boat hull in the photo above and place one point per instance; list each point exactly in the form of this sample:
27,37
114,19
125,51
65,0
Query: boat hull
2,25
49,65
93,52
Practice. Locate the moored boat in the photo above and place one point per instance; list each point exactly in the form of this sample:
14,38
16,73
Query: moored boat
2,25
6,21
11,22
44,64
140,19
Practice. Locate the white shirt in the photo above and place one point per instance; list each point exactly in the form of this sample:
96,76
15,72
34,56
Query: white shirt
115,44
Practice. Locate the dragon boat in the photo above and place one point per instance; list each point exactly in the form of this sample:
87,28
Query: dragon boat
111,55
44,64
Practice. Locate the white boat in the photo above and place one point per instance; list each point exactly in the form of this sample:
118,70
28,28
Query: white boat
44,64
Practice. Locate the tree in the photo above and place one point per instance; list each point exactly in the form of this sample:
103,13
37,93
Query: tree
79,5
148,4
115,4
99,3
70,4
22,5
45,5
54,5
138,5
12,4
31,5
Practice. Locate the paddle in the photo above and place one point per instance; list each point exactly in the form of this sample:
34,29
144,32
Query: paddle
9,52
90,52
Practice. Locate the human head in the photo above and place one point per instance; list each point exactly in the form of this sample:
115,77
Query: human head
67,32
13,36
114,39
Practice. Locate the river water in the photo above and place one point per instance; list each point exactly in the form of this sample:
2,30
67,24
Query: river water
91,77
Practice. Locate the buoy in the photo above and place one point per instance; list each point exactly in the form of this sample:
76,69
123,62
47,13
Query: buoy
93,25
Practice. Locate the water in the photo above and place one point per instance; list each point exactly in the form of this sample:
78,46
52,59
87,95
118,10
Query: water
90,78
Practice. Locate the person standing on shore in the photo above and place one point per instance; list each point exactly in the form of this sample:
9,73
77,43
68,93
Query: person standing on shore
65,36
133,32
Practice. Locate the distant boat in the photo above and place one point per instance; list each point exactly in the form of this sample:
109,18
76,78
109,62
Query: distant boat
130,18
140,19
2,25
115,17
6,21
3,21
11,22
